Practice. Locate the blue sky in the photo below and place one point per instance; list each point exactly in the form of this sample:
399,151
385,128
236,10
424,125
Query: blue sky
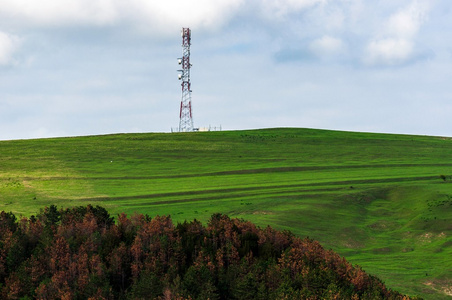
84,67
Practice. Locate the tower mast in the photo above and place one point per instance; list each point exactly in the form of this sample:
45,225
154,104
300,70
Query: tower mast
185,114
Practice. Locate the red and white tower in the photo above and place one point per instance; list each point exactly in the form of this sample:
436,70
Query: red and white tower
185,115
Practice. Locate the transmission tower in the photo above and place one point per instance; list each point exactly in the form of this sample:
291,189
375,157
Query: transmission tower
185,115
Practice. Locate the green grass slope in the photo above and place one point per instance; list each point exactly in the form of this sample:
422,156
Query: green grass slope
377,199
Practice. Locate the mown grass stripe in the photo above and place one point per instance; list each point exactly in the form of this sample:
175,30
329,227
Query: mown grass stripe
237,172
225,192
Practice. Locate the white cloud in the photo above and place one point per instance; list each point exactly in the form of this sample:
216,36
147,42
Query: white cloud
407,22
8,44
396,43
389,51
280,8
161,15
171,13
61,12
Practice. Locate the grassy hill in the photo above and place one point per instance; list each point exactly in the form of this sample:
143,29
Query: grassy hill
383,201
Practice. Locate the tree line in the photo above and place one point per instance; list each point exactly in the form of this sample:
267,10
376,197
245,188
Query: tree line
84,253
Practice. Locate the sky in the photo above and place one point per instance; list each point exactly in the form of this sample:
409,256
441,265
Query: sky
88,67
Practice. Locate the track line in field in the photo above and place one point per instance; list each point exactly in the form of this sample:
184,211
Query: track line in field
233,191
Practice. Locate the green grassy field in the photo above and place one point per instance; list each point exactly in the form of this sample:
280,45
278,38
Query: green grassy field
377,199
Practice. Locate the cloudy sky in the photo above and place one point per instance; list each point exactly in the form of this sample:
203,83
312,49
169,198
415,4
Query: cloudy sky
83,67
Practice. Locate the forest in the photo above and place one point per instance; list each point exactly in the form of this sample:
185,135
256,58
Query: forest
84,253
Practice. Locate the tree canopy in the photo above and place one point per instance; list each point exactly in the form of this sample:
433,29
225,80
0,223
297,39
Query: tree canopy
82,253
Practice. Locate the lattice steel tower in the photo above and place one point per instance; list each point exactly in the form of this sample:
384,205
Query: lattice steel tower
185,115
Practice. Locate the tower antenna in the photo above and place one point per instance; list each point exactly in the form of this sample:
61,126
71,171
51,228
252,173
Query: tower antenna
185,114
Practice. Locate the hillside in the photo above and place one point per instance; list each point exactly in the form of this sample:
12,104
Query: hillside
383,201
